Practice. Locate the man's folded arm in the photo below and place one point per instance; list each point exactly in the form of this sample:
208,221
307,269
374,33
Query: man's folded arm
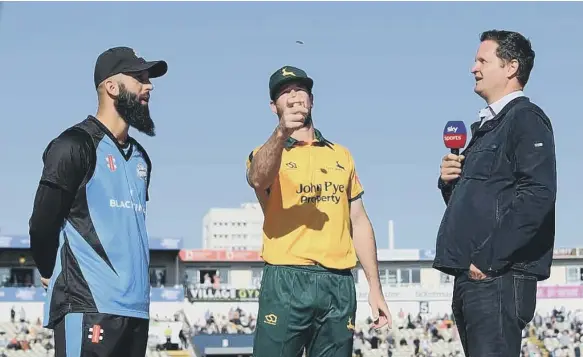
66,163
535,171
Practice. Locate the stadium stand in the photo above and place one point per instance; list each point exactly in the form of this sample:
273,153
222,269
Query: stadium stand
20,337
213,312
555,334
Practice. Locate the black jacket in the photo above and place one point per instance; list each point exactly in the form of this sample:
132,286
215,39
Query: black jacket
500,213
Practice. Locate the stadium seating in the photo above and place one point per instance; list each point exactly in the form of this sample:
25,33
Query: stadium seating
557,334
23,339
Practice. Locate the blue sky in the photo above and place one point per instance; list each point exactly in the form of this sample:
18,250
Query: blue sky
388,76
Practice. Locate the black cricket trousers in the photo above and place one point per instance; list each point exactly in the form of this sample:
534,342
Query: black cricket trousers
100,335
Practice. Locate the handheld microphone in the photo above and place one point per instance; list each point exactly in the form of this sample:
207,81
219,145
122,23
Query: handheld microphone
455,136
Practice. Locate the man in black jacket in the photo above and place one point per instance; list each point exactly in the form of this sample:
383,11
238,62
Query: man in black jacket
498,231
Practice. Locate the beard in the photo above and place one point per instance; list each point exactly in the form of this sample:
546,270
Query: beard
308,120
133,112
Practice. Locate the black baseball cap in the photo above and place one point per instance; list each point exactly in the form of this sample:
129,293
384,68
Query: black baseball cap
124,60
285,75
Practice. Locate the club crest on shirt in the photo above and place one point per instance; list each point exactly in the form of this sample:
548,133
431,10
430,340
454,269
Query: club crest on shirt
142,171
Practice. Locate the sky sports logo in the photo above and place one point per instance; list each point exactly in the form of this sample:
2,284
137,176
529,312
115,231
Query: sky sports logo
455,135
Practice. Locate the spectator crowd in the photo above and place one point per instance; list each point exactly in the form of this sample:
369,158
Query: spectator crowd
19,334
556,334
236,321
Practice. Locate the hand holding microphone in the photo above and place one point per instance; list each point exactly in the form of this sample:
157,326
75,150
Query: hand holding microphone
454,137
451,167
294,114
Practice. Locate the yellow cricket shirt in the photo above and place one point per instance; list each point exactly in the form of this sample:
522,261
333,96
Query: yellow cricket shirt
307,209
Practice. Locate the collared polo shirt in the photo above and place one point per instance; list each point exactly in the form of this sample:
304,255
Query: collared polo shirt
307,213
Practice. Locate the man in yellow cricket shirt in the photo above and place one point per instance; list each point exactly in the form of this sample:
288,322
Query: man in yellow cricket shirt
315,226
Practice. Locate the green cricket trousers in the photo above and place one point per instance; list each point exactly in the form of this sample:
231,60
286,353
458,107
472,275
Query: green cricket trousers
305,307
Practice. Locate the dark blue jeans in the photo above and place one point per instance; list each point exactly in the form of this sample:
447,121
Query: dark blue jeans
491,313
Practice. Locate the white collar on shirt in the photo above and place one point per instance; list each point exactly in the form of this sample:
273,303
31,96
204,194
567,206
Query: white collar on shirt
493,109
